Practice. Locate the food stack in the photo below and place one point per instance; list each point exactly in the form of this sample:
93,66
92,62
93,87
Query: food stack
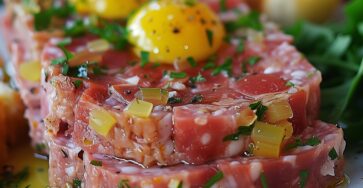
182,94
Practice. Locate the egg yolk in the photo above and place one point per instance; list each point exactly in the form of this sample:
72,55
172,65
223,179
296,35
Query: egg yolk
172,31
109,9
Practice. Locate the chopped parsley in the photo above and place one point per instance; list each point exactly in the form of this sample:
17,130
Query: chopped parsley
63,61
75,28
197,98
333,154
241,46
242,130
174,100
114,33
253,60
192,61
10,179
77,83
214,179
209,37
124,184
144,58
196,79
64,42
304,175
260,109
178,75
263,180
77,183
290,84
96,163
226,66
223,5
313,141
251,20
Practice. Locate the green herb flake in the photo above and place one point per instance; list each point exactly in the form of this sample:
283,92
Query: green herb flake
260,109
77,183
214,179
253,60
263,180
290,84
77,83
123,184
174,100
177,75
144,58
240,47
223,5
252,20
192,62
226,66
304,175
242,130
333,154
209,37
64,42
313,141
196,79
96,163
197,98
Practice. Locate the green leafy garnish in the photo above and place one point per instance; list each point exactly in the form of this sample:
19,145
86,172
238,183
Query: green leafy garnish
260,109
77,83
263,180
304,175
251,20
197,98
114,33
253,60
178,75
313,141
124,184
214,179
144,58
96,163
174,100
77,183
333,154
242,130
209,34
196,79
223,5
226,66
241,46
192,62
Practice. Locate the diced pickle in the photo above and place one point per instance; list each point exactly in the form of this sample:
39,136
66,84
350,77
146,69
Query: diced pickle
101,121
246,117
156,96
267,133
139,108
30,71
278,111
262,149
288,128
99,45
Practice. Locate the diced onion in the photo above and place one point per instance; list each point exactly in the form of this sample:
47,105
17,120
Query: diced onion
99,45
157,96
30,71
101,121
139,108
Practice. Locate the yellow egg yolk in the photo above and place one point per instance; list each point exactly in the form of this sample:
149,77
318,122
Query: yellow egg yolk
173,31
109,9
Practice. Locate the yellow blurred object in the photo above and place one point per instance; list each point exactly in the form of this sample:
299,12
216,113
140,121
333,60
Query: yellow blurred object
30,71
290,11
278,111
101,121
267,139
139,108
157,96
113,9
173,31
287,127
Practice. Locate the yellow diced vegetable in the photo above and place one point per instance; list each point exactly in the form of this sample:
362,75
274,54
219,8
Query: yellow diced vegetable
101,121
262,149
139,108
82,6
99,45
264,132
278,111
154,95
288,128
246,117
30,71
